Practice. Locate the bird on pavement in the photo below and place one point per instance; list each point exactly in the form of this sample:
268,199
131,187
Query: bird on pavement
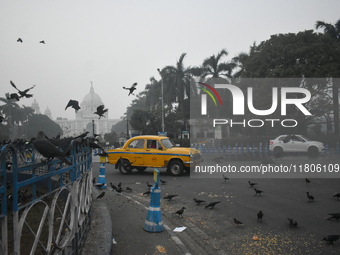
101,195
252,184
334,216
74,104
131,89
337,195
99,186
331,238
257,191
259,216
162,181
310,197
292,223
94,181
148,184
198,201
100,111
146,193
307,180
119,185
212,205
225,178
1,118
180,212
128,189
47,149
113,186
169,197
237,222
24,92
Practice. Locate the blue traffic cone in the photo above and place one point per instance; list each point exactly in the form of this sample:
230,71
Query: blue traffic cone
153,222
101,177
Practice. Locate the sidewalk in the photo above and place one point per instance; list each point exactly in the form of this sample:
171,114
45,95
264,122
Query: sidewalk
127,236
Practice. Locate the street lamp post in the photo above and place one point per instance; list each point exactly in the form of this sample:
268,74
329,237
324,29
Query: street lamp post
163,127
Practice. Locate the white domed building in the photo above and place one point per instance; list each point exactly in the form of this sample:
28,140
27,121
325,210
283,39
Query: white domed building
86,120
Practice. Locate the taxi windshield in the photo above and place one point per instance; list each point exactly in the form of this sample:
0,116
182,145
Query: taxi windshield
167,143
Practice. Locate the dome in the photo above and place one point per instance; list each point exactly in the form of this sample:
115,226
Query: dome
91,99
89,105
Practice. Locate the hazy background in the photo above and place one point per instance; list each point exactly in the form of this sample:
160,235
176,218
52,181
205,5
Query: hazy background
117,43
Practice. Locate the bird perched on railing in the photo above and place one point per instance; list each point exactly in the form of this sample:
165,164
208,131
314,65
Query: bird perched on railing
132,88
47,149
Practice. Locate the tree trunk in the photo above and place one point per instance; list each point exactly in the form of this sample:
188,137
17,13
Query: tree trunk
335,108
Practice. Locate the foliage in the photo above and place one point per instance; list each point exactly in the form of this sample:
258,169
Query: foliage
111,137
40,122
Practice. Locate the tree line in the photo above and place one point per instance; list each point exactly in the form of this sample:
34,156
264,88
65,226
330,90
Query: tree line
302,55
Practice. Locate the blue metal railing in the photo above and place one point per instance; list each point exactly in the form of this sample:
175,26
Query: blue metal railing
30,183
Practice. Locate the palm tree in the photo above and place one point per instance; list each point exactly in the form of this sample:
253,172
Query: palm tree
334,32
214,68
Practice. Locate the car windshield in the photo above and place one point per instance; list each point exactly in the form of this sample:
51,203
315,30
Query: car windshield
307,139
167,143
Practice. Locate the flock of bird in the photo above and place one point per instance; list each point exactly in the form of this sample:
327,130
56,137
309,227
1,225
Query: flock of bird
211,205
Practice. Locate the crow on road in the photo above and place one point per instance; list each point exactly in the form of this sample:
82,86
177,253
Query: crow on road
212,205
259,216
257,191
101,195
292,223
169,197
331,238
310,197
198,201
180,212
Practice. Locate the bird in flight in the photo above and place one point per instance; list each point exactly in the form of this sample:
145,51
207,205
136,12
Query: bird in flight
74,104
43,42
100,111
19,40
131,89
22,93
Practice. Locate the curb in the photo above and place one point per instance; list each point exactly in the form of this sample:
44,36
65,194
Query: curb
99,239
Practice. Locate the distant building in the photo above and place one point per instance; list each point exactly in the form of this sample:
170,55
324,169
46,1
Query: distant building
35,107
48,113
86,120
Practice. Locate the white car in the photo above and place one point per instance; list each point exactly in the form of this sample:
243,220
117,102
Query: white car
295,143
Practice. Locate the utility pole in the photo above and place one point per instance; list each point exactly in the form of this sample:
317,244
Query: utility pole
163,126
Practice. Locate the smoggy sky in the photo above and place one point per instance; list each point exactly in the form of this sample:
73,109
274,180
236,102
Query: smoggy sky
116,43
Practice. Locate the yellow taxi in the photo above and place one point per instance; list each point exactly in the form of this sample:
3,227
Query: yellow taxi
145,151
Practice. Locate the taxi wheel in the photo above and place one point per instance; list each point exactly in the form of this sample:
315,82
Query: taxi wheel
125,166
176,167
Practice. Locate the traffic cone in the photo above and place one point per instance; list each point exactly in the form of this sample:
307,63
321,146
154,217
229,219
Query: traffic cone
153,222
101,177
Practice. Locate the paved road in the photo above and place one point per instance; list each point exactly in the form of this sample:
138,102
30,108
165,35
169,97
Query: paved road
212,231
